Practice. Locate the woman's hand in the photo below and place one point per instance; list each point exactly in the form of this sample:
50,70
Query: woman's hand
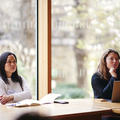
113,72
5,98
1,97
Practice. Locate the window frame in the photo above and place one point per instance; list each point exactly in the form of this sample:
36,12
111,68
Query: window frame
44,48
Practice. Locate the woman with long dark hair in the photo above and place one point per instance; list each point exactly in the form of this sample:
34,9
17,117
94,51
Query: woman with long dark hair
13,87
102,81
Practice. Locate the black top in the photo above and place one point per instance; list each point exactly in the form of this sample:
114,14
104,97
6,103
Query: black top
102,88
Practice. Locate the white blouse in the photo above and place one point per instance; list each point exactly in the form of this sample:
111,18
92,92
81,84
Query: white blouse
14,88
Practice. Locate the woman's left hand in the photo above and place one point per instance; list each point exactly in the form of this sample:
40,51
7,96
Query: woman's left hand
113,72
6,98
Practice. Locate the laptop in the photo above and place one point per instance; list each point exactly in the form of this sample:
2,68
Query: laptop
116,91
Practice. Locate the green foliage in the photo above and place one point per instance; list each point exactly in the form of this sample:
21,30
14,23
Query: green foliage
80,44
70,91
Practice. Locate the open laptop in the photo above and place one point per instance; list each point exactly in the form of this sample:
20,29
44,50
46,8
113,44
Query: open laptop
116,91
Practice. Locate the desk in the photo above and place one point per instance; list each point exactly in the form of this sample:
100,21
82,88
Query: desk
77,109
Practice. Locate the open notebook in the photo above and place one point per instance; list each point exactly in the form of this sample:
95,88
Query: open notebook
30,102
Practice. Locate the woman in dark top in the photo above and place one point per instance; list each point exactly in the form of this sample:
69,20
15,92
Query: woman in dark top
108,71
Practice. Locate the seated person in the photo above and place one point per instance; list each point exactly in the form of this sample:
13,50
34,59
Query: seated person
108,71
13,87
32,116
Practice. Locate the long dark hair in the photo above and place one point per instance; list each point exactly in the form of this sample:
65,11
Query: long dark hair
15,77
102,68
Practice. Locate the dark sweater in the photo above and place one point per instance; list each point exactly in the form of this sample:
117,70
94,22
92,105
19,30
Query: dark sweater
102,88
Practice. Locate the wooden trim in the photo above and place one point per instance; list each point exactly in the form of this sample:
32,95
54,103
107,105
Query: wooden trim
44,47
83,116
49,46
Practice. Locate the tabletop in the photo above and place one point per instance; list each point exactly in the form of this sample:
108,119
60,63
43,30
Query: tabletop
76,107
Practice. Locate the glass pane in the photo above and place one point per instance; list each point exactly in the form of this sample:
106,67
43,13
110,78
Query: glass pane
81,31
18,34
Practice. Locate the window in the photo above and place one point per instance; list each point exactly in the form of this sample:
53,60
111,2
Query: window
18,34
81,31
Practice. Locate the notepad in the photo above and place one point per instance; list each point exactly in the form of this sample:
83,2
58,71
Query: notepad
25,103
30,102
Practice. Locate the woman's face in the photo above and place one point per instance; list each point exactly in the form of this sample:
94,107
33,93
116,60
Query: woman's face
112,60
10,65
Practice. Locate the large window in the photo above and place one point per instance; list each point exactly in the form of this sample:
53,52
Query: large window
18,34
81,31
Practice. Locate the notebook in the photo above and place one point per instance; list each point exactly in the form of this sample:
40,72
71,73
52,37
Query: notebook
30,102
116,91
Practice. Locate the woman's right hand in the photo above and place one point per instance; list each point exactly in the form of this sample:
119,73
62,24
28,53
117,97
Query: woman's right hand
5,99
1,97
113,73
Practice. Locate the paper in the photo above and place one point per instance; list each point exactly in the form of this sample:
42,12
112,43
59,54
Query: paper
24,103
49,98
30,102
